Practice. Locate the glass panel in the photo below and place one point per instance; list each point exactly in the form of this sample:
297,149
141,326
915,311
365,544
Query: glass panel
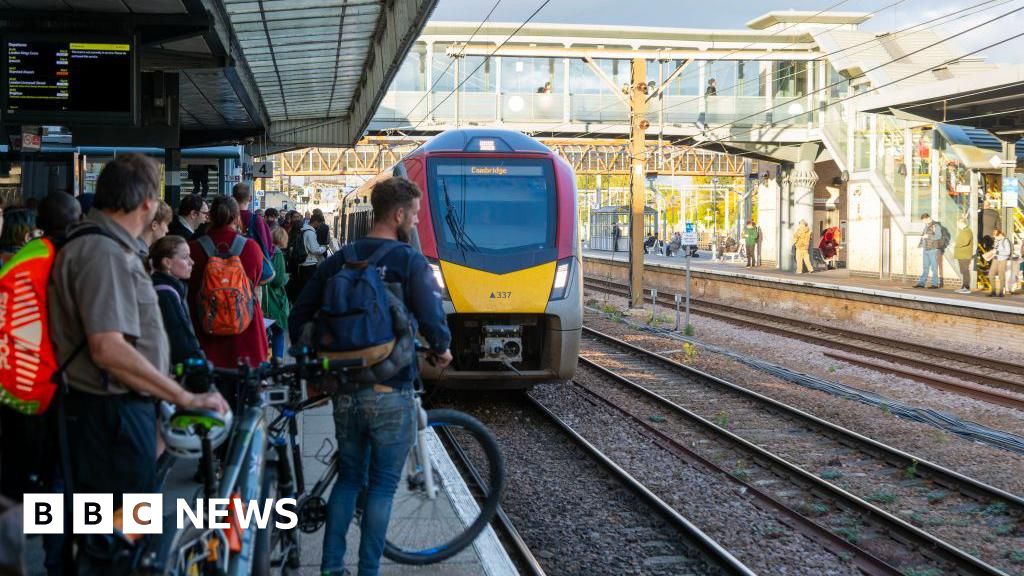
862,143
921,178
526,107
889,155
411,75
839,85
722,75
493,206
750,78
532,75
443,70
685,84
476,74
790,78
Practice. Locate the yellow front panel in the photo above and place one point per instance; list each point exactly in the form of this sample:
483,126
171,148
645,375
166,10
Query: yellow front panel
478,291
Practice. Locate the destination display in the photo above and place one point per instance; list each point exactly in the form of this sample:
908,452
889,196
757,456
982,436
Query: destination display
68,78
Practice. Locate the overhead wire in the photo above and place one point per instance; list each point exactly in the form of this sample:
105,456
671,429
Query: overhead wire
957,13
869,43
452,60
488,57
882,65
941,420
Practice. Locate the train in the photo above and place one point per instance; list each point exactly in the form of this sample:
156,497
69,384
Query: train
498,224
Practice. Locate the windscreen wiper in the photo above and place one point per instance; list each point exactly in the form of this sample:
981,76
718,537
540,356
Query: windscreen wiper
462,241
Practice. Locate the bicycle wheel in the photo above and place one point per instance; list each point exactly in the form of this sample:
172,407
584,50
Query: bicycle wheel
275,551
425,530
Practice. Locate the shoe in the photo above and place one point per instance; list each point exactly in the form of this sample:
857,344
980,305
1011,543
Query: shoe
991,294
933,287
962,291
918,285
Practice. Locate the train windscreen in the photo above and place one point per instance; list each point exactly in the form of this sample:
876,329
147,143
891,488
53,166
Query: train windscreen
493,206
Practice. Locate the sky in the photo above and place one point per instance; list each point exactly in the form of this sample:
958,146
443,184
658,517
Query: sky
734,14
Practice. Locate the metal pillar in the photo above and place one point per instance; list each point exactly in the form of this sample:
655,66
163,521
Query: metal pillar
637,150
172,176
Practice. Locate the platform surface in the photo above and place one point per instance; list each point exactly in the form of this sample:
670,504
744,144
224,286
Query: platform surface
840,280
486,557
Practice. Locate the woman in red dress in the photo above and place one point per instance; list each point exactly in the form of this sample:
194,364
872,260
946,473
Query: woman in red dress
251,346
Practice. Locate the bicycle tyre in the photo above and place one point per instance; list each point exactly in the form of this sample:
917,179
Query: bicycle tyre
262,546
443,418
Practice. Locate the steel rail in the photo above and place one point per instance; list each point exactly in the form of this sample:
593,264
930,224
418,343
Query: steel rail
967,486
501,520
864,560
708,547
809,332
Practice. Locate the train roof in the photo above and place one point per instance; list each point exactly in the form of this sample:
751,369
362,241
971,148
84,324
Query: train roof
483,140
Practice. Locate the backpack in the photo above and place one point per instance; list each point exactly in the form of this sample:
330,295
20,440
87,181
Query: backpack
267,273
355,318
227,301
28,362
296,250
945,237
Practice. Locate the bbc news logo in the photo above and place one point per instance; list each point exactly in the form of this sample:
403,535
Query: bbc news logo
144,513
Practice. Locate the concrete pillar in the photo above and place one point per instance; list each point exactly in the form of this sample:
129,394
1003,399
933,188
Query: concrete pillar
797,205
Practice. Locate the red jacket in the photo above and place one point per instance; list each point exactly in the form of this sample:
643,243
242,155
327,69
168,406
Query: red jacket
250,345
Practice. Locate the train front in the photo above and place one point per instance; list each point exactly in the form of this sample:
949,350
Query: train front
498,225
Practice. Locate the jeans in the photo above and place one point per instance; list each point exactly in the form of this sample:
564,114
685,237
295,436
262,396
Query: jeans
930,263
277,341
375,431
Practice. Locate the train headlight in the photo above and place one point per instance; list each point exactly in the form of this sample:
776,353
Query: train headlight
435,267
563,277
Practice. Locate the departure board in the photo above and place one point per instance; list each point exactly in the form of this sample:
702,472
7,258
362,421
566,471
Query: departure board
68,78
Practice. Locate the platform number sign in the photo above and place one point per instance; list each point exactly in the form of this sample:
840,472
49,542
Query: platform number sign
263,169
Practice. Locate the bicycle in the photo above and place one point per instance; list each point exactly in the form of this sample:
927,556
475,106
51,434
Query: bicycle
270,456
425,485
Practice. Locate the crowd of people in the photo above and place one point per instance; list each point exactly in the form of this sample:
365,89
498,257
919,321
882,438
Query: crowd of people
136,287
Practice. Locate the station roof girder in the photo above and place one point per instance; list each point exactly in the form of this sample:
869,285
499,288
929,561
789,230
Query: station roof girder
336,59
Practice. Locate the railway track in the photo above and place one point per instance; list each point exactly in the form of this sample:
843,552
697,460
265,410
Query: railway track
715,554
585,392
946,369
579,513
966,526
523,556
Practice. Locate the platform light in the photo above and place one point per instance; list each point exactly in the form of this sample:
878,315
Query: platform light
560,287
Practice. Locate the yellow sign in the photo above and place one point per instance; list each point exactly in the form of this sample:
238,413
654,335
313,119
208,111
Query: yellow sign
100,47
523,291
489,170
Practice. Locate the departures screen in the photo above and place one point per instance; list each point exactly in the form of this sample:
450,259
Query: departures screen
68,77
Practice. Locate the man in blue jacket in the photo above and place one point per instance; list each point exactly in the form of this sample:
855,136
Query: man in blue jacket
375,426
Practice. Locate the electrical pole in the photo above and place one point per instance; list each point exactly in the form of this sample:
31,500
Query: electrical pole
638,169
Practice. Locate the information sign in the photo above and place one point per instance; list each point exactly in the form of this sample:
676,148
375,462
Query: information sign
690,234
1011,191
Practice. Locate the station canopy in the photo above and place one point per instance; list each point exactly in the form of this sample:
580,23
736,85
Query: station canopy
301,72
992,101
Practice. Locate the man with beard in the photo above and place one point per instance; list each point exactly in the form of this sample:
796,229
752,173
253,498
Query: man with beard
376,423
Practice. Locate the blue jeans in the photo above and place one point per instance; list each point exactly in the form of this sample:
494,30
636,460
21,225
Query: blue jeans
277,341
931,262
375,431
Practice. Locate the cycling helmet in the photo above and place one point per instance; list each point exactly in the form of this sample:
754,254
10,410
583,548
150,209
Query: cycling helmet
183,441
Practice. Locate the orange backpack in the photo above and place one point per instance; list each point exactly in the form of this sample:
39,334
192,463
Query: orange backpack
226,298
